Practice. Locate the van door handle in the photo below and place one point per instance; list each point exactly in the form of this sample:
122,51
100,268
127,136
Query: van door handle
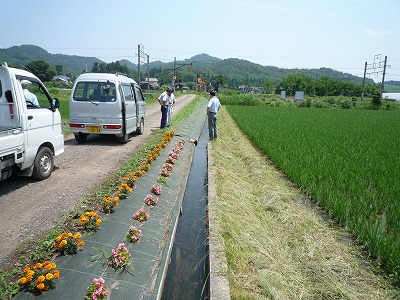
30,117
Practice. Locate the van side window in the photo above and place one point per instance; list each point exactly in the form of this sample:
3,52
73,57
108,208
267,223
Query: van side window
138,94
95,91
128,96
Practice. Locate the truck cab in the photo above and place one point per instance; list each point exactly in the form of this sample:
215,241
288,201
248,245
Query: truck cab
30,125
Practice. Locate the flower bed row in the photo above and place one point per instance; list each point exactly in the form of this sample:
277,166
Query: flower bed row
41,276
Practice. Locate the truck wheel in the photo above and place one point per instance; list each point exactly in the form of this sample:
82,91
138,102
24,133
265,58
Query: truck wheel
43,164
81,137
123,139
140,129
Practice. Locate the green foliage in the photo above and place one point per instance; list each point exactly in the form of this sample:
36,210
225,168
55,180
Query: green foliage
344,159
41,69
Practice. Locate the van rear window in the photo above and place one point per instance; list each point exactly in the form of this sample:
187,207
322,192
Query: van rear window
95,91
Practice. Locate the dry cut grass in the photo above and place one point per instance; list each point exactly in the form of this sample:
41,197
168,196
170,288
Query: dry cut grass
276,248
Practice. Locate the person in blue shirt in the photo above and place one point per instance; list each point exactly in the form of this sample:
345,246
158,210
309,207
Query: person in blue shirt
212,108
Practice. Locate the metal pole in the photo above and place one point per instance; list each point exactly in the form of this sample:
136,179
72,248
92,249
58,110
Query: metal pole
363,85
383,76
138,65
148,74
173,79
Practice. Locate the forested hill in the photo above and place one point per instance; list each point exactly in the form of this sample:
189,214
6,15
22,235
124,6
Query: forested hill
239,70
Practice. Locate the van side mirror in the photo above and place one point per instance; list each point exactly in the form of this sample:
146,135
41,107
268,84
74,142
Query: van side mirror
9,96
55,104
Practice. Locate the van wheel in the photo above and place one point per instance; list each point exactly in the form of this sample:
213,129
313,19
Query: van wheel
43,164
123,139
81,137
140,129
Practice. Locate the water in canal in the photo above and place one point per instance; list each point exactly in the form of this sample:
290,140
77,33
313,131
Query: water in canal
187,273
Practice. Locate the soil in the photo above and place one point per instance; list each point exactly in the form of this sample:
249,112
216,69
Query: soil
31,208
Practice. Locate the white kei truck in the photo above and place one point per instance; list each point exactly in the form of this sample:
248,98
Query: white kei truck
30,131
106,104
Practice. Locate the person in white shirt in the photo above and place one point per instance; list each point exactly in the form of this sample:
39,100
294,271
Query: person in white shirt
30,98
164,100
171,101
212,108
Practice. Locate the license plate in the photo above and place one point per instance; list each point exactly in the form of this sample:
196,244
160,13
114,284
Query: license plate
94,129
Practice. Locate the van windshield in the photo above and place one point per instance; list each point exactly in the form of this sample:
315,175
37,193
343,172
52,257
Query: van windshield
95,91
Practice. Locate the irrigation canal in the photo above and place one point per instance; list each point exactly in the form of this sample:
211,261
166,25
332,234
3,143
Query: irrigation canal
187,273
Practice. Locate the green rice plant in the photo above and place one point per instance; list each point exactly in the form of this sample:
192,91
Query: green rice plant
346,160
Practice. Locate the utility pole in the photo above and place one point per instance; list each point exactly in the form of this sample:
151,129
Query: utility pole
375,66
177,67
141,52
383,75
363,85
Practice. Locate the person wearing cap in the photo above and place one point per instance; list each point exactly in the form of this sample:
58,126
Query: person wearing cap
164,100
212,108
30,98
171,101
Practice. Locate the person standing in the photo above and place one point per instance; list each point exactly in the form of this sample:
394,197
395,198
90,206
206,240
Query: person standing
164,100
171,102
212,108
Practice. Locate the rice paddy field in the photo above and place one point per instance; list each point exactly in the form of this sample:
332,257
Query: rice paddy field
347,161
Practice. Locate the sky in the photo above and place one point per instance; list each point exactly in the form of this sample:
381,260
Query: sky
338,34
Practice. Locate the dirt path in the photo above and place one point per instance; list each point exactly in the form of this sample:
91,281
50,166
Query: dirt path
30,208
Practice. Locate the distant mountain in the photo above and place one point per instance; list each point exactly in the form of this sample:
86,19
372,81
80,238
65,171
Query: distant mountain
21,55
238,70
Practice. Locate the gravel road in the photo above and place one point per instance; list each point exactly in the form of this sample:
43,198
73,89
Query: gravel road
31,208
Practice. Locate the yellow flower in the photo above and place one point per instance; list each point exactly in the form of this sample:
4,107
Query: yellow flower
40,286
98,222
30,273
77,236
26,270
22,280
29,278
49,276
38,266
41,278
69,234
58,239
63,243
80,243
56,274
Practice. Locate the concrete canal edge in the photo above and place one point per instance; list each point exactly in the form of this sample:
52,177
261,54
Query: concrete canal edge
219,284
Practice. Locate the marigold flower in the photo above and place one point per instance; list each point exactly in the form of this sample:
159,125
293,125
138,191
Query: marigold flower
98,222
40,286
49,276
56,274
23,280
63,243
29,278
77,236
41,278
38,266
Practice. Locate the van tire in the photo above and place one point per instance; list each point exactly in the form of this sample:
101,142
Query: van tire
43,164
81,137
140,129
123,139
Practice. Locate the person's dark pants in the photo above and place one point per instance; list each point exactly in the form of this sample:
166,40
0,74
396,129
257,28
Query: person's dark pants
212,126
164,112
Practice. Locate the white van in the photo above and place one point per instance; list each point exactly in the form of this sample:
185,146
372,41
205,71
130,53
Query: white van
110,104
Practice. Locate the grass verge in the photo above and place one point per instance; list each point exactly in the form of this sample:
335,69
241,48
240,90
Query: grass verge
275,247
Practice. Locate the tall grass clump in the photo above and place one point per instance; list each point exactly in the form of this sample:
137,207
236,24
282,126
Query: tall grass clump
346,160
